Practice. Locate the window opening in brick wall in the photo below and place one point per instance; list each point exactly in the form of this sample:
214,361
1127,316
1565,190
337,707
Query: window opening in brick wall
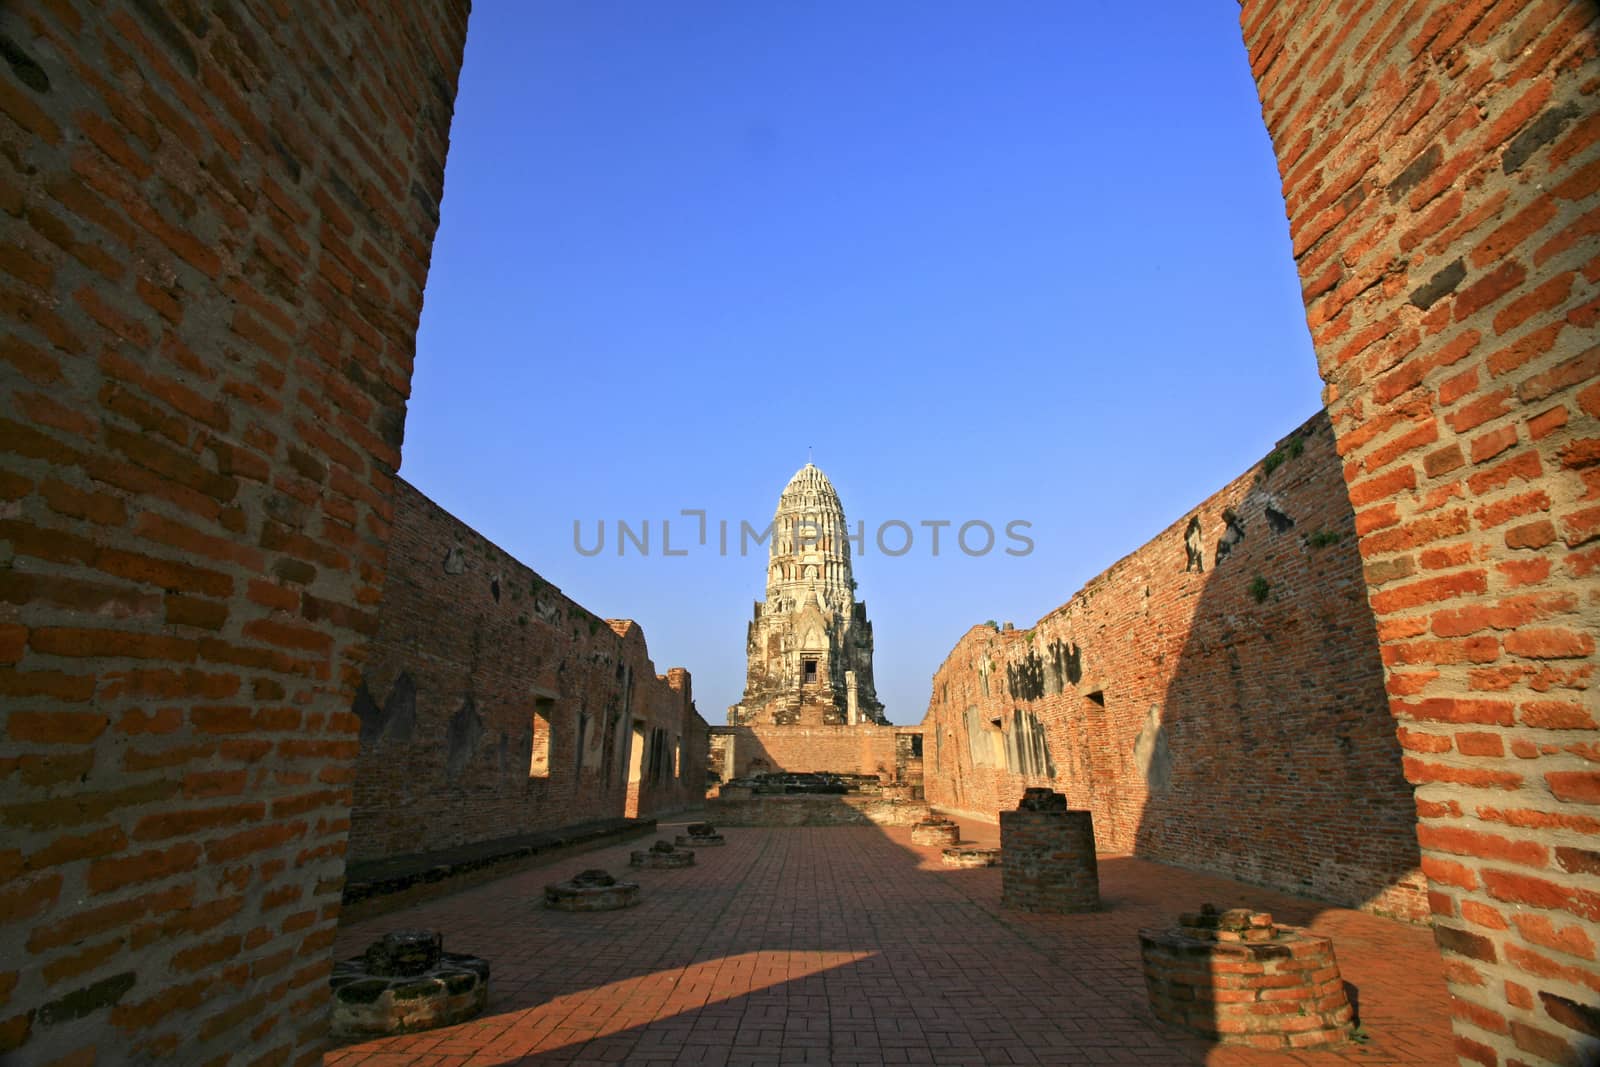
539,760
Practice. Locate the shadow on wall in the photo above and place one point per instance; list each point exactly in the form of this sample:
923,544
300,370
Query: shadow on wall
492,705
1216,698
1272,755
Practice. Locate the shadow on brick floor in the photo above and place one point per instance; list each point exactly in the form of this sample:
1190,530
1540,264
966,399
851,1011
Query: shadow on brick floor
850,946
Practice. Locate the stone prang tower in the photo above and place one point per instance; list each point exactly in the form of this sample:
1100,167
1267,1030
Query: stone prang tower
810,644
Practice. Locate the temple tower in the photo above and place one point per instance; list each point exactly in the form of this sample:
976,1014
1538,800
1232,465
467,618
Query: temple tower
810,644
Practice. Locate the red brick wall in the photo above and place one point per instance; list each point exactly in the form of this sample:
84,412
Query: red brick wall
224,220
479,638
1246,736
862,749
217,224
1442,178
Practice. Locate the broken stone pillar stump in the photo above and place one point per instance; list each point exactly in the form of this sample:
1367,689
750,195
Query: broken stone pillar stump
971,856
1238,979
935,830
591,890
403,983
661,855
700,834
1047,860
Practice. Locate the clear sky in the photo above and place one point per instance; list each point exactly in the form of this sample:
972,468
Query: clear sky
1000,261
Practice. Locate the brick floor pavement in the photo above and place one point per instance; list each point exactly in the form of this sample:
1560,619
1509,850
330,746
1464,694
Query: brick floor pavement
852,946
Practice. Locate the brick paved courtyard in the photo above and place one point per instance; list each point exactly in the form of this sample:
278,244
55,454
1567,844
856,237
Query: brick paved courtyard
853,946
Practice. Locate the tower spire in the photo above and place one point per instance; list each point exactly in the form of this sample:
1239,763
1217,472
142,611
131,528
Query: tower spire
810,644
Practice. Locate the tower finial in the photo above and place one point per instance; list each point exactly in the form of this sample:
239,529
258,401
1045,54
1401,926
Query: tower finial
808,453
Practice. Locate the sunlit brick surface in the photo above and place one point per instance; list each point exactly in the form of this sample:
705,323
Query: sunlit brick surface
1441,170
846,945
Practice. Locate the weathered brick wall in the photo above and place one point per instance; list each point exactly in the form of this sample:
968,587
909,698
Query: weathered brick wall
1201,725
740,808
221,221
1442,177
471,649
861,749
217,224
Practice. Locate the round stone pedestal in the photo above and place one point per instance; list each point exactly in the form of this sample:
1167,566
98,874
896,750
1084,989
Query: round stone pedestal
404,983
592,890
1238,979
700,835
936,831
661,856
971,856
1047,860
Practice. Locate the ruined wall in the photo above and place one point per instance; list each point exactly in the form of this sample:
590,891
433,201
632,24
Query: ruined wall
1215,698
1442,178
217,225
225,220
861,749
852,809
491,705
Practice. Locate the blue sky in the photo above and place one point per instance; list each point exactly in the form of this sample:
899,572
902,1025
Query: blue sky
1010,261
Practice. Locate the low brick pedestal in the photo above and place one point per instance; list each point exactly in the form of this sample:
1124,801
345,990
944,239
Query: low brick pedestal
699,835
971,856
404,983
935,831
661,856
1238,979
1047,860
592,890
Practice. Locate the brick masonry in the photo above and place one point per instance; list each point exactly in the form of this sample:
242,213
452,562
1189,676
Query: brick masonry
737,806
217,221
1264,986
491,705
224,220
936,831
1442,178
1201,725
1048,862
887,751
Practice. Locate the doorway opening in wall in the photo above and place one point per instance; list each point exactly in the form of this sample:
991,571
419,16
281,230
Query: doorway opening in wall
809,671
636,754
539,758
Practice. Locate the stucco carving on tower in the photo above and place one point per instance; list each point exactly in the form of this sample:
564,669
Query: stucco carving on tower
810,644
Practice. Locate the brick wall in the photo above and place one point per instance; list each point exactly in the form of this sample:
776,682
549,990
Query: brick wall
1228,715
477,665
1442,179
217,223
861,749
220,223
